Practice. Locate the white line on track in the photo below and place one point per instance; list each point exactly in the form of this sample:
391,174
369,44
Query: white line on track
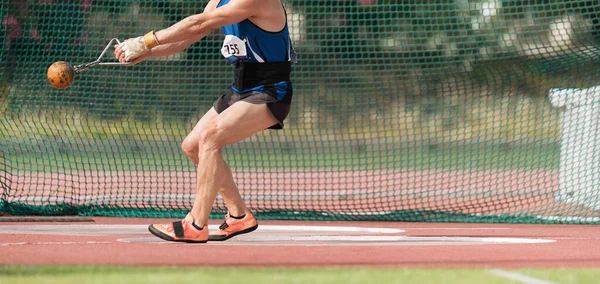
51,243
284,228
356,241
394,239
69,229
466,229
519,277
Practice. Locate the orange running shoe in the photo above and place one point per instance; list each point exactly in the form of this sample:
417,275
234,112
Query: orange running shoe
232,227
180,231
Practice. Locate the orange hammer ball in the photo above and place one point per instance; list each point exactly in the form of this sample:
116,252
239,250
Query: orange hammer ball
61,74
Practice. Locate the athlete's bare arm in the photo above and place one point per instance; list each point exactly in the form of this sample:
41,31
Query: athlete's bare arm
199,25
170,48
267,13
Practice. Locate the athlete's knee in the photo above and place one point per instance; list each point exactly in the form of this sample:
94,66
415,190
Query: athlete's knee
210,138
189,146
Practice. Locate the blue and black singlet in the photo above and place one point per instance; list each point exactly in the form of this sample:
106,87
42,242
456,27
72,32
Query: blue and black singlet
262,59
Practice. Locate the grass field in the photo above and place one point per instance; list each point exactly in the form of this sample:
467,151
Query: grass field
110,274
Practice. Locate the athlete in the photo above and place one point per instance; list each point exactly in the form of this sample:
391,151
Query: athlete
257,43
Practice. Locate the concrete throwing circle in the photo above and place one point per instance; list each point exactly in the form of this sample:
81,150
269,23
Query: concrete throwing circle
275,235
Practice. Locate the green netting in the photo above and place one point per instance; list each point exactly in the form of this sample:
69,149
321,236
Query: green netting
432,110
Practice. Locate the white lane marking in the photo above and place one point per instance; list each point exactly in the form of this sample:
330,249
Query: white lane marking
51,243
12,244
519,277
440,228
354,241
129,229
391,239
327,229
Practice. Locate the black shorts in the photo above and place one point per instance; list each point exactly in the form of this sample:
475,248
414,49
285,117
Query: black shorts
279,109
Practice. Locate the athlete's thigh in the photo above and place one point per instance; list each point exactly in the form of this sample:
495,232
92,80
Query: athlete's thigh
193,138
241,120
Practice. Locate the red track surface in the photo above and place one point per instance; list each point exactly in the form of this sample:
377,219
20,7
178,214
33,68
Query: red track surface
574,246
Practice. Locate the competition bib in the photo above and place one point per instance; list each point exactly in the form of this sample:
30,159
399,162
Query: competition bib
233,46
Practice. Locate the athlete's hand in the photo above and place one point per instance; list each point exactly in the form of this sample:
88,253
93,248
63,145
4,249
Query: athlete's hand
133,48
120,55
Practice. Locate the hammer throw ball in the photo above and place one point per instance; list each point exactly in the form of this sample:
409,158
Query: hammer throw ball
61,74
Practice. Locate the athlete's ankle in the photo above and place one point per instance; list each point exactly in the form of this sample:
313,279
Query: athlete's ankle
237,217
197,227
237,213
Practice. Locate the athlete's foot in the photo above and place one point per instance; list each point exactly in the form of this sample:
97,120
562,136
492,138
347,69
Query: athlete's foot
233,226
181,231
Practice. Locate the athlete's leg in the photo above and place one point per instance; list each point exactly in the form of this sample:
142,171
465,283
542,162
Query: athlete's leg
228,190
235,124
190,143
231,194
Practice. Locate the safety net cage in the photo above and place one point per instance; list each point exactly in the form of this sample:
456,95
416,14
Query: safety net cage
403,110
